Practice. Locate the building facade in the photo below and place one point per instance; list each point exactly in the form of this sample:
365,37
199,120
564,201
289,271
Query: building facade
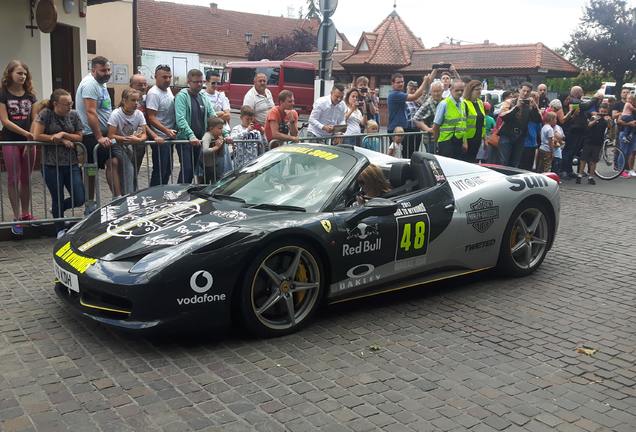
57,59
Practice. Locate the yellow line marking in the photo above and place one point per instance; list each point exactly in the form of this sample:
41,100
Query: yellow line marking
108,234
409,285
103,308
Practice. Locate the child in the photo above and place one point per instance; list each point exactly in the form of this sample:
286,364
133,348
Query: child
626,135
369,142
126,127
395,149
544,160
244,153
592,143
557,150
214,148
628,116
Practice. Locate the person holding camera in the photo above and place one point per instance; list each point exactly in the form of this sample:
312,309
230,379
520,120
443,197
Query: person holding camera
515,115
592,143
365,100
355,120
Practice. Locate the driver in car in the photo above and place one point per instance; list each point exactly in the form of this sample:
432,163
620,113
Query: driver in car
372,184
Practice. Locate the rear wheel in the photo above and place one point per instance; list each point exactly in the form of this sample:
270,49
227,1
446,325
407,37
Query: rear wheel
282,289
611,162
526,239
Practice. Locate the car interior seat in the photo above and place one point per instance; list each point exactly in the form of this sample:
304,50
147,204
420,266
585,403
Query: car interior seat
401,178
422,170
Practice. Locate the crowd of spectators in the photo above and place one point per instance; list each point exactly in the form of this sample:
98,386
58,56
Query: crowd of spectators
444,114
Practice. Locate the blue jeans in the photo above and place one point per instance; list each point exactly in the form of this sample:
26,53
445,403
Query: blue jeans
511,150
161,163
189,156
58,178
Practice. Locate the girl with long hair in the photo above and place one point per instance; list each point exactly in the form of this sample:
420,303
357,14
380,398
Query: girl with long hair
16,101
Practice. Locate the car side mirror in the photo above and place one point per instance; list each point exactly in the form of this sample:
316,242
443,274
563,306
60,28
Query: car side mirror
373,207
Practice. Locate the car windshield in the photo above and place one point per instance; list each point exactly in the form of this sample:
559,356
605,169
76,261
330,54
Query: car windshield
292,176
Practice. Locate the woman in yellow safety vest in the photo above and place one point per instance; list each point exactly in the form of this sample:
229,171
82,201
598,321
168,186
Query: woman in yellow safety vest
475,121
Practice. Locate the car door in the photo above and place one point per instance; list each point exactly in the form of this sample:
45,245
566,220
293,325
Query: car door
377,250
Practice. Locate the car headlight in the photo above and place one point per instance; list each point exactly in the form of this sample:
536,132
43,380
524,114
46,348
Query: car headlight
158,259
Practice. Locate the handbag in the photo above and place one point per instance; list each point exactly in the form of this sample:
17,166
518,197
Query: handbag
493,138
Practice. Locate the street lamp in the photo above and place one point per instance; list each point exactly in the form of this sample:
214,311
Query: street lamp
248,38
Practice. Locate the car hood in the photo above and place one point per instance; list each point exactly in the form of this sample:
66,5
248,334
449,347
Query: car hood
156,218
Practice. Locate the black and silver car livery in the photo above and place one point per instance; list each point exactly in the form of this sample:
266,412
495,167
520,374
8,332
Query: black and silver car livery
270,242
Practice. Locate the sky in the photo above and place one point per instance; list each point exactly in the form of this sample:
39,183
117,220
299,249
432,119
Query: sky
498,21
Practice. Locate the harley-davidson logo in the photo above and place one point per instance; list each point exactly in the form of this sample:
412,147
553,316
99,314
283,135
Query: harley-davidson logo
482,215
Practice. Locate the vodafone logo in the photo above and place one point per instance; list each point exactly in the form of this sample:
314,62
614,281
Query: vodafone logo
201,281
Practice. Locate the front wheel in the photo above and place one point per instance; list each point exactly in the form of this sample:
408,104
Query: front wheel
526,239
282,289
611,162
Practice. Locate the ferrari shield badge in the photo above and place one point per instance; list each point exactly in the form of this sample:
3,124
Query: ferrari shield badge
326,224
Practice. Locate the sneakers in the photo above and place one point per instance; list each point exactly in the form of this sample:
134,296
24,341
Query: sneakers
625,174
591,181
632,173
578,180
17,229
61,233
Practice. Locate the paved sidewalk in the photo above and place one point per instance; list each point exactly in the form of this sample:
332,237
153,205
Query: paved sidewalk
479,354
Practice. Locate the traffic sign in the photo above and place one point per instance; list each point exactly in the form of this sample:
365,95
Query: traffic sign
328,7
327,36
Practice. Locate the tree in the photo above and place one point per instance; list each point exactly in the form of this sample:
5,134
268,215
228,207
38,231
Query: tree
604,40
590,82
281,47
312,10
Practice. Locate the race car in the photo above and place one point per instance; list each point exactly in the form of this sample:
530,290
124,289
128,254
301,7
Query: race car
270,242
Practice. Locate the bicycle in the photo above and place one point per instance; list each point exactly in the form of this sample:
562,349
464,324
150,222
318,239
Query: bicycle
611,162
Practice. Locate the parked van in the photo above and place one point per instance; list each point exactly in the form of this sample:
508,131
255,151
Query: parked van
238,78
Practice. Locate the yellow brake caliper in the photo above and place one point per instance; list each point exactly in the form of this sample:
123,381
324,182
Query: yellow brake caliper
301,276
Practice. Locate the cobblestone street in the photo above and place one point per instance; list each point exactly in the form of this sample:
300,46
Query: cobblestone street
479,354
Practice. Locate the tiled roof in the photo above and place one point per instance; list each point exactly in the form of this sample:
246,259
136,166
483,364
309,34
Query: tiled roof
467,59
170,26
346,45
492,57
391,43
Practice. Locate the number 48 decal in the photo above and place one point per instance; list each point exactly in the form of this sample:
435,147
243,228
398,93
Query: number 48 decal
413,232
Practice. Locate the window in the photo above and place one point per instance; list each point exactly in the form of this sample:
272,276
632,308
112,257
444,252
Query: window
272,74
299,76
91,46
242,75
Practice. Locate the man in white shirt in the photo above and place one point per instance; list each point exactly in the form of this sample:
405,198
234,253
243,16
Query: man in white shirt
161,119
259,98
327,112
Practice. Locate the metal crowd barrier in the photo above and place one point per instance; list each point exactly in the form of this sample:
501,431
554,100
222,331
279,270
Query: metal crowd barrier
38,205
137,171
411,142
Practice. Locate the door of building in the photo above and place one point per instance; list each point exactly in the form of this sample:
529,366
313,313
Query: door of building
64,40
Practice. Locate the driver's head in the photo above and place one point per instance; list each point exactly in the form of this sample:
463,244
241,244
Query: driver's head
372,181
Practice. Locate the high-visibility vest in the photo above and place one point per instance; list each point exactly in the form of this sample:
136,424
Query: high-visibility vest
454,121
471,119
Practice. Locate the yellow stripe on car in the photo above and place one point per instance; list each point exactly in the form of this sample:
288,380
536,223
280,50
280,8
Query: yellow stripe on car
78,262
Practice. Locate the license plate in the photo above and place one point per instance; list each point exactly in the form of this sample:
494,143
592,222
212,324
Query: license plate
66,278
